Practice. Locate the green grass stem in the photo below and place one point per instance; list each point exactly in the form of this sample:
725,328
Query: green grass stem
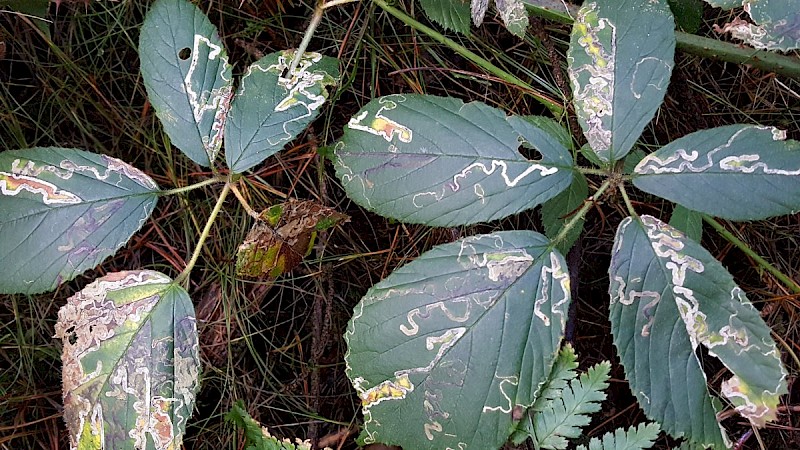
763,263
555,108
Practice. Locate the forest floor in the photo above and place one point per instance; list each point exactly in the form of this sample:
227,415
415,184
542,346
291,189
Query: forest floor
278,345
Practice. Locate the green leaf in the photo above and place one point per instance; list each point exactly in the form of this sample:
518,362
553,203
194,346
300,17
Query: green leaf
512,12
668,296
632,159
268,110
620,60
557,211
562,372
131,362
688,14
589,154
688,222
438,161
777,25
554,128
448,346
35,10
564,417
738,172
188,79
634,438
451,14
258,437
65,211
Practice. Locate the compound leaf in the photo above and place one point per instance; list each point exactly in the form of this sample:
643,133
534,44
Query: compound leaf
561,373
738,172
634,438
451,14
65,211
776,27
668,296
269,110
618,82
438,161
131,362
563,417
258,437
188,79
448,346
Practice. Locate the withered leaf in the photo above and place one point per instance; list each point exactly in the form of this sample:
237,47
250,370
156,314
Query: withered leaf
282,235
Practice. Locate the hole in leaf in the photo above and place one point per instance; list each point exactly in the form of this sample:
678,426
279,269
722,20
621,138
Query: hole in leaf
285,73
525,149
73,338
185,53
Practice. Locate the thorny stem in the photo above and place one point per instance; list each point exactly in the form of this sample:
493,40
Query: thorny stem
592,171
581,212
554,107
183,278
192,187
627,199
788,282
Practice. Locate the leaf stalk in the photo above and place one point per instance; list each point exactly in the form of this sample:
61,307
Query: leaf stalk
183,277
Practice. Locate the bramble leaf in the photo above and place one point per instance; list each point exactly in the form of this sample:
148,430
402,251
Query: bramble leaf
64,212
776,27
618,82
688,222
451,14
188,79
131,362
688,14
438,161
668,296
269,110
448,346
737,172
282,236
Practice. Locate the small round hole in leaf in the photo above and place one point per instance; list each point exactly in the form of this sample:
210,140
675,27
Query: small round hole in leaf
185,53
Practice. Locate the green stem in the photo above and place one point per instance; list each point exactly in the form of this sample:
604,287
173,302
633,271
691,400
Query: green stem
191,187
690,43
785,279
627,199
581,212
555,108
183,278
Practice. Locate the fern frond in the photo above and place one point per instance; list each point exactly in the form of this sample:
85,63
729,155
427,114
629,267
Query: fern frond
634,438
563,417
561,373
257,437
